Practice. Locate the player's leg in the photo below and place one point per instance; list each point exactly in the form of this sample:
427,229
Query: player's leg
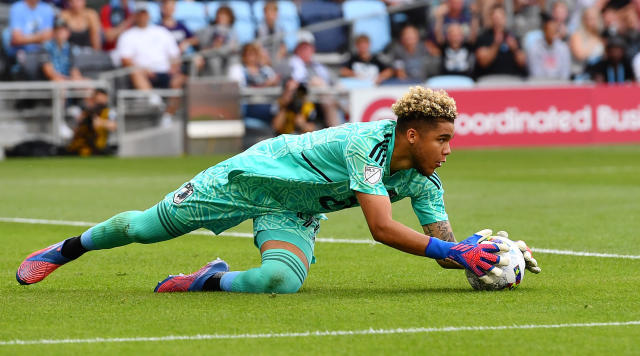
149,226
283,270
286,244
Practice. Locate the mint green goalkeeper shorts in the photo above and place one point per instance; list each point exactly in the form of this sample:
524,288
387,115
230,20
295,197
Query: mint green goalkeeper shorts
210,201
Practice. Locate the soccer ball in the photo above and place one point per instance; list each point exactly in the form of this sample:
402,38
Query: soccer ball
512,274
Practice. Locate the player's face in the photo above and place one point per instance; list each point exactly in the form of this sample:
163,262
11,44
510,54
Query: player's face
430,147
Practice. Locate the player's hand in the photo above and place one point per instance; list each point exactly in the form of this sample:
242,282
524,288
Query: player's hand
479,236
480,259
530,262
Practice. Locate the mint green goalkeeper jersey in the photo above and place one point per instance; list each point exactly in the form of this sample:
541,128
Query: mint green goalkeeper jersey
318,172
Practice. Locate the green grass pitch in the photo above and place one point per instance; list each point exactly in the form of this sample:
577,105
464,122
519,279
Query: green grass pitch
579,199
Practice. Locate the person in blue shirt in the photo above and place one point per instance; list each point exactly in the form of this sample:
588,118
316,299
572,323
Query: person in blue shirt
31,24
59,65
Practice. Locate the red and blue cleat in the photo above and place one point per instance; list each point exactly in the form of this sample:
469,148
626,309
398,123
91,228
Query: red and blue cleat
192,282
40,264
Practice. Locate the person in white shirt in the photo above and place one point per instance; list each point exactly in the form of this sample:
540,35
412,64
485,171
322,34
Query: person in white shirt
549,57
153,51
636,66
304,69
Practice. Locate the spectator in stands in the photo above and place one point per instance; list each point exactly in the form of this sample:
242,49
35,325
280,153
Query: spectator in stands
454,12
576,10
549,56
252,73
304,69
153,50
83,23
220,33
270,34
184,38
116,17
31,24
636,66
586,44
457,54
620,18
417,16
411,60
498,50
615,67
154,53
560,14
59,65
612,24
633,35
295,111
526,16
93,127
364,65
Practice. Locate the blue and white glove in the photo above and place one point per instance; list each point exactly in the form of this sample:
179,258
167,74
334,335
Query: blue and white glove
478,258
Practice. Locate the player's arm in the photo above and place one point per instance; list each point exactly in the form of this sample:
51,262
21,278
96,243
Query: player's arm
477,258
377,212
443,231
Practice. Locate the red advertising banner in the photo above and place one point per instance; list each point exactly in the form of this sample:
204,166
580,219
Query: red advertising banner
530,116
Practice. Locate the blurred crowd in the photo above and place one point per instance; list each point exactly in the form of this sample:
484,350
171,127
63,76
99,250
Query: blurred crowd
564,40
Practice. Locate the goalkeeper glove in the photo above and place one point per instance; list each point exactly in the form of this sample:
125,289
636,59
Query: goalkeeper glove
530,262
472,256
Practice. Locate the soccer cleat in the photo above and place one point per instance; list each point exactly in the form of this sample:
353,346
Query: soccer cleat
40,264
192,282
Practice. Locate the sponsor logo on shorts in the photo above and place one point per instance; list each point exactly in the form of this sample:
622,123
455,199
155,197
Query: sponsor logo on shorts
183,193
372,175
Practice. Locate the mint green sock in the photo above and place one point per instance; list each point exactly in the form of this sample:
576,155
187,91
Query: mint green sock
281,272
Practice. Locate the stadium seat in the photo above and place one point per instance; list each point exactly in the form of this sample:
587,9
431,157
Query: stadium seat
244,26
355,83
329,40
31,66
287,18
450,81
91,62
155,15
192,14
376,27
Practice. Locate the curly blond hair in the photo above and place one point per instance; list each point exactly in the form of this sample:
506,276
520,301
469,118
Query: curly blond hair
433,105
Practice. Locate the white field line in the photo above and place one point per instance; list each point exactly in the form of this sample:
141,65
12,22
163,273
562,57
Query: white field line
365,241
318,333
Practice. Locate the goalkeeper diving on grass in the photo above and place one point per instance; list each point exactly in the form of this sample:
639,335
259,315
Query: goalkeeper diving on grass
285,184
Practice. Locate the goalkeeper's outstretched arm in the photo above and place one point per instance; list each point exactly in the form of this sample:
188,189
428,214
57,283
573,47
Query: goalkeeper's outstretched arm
480,259
377,212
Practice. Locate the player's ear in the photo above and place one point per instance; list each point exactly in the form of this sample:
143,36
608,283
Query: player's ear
412,135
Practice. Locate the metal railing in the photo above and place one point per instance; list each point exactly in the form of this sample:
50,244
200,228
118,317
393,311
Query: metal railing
141,130
40,105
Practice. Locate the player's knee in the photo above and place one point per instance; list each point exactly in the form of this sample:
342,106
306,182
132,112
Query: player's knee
281,278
